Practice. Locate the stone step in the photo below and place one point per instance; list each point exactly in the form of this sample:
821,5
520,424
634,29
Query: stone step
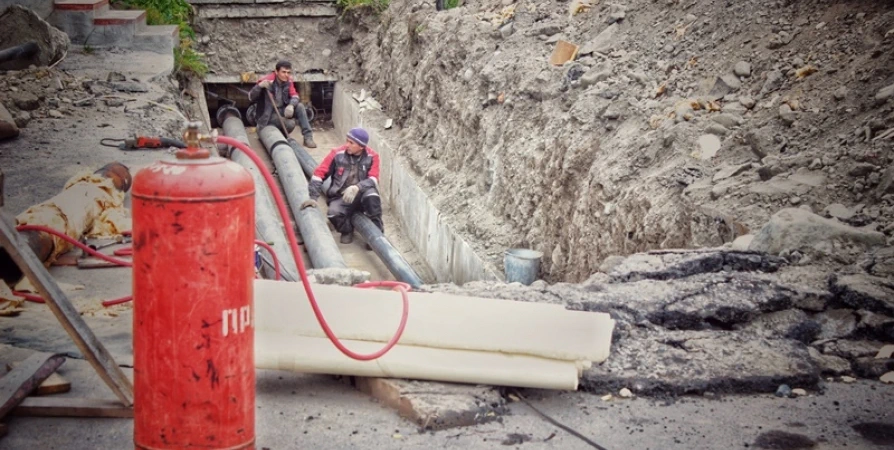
265,10
75,17
121,17
117,28
257,2
157,38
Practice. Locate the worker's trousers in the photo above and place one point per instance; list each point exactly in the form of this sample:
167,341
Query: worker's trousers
300,117
368,202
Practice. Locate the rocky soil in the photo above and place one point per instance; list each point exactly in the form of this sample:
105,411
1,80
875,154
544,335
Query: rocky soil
722,321
680,124
232,47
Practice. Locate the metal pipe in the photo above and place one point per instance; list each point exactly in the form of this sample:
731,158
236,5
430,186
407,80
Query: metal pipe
43,244
321,248
25,50
308,164
392,258
267,228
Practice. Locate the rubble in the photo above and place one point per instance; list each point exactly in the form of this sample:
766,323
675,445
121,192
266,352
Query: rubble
9,128
715,320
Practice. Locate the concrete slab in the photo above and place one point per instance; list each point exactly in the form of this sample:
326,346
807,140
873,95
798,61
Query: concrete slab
258,11
140,65
157,39
216,78
436,406
76,19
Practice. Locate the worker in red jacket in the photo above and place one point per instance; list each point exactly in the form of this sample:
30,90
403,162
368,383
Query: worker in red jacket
286,101
354,172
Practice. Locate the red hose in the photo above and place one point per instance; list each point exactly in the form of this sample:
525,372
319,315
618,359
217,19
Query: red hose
269,249
77,244
296,252
121,252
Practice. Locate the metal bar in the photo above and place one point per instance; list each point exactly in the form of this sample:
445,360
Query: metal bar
321,247
25,378
392,258
65,312
267,228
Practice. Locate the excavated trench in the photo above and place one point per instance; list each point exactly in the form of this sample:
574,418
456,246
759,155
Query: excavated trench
469,171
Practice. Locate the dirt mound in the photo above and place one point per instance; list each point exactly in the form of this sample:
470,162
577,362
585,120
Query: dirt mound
21,25
680,124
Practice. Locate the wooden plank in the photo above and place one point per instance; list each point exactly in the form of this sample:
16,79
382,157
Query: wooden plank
565,51
435,406
65,312
25,378
72,407
54,384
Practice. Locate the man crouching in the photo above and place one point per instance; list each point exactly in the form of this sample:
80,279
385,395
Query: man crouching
354,171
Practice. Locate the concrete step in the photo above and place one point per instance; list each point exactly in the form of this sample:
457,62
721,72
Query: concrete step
264,10
75,17
157,38
117,28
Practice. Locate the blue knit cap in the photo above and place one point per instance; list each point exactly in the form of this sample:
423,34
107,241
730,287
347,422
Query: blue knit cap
359,135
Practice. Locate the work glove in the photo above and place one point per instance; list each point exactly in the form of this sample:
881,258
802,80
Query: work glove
265,84
289,112
348,195
309,204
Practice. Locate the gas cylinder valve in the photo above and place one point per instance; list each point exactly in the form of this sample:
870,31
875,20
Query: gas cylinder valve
193,140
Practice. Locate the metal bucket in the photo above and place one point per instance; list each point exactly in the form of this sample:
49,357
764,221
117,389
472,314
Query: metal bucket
522,265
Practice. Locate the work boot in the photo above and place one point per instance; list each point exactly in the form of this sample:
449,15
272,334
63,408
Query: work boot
309,142
347,238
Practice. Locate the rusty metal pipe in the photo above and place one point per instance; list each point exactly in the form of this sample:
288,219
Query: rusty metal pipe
42,244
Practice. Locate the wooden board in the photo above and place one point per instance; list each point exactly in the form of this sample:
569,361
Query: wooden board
65,312
565,51
72,407
25,378
55,384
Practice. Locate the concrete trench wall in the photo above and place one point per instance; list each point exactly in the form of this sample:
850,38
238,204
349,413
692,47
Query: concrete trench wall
447,253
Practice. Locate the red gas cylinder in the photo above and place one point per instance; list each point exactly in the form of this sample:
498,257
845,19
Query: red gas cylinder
193,240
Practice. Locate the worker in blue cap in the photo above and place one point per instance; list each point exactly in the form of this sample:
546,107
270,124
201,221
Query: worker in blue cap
354,171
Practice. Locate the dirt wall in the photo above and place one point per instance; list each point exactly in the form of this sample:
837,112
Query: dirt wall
681,124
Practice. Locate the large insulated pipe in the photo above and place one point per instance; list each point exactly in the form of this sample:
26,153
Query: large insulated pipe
267,228
25,50
392,258
321,248
72,211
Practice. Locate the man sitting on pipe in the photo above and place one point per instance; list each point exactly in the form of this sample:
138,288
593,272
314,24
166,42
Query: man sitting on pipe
354,171
280,84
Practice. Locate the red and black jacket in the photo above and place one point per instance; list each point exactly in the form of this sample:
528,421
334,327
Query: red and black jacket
345,170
